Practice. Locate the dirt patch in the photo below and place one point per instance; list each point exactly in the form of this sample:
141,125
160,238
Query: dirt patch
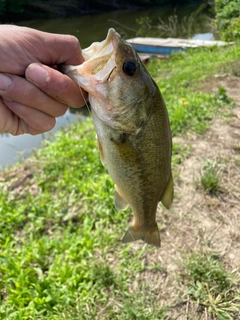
19,179
216,218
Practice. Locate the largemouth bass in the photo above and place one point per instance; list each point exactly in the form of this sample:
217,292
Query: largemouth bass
133,131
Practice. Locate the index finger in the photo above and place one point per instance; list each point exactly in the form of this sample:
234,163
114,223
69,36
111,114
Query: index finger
57,85
21,46
62,49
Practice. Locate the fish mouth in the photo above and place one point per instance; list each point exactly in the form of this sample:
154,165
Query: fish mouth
103,48
99,63
98,66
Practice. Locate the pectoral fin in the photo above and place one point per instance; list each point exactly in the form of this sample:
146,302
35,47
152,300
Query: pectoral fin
167,197
150,236
119,202
125,149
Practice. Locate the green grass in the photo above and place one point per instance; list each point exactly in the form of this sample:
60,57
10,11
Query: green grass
210,177
180,153
60,250
54,262
210,285
179,79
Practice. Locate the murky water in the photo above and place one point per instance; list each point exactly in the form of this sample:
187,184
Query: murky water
94,28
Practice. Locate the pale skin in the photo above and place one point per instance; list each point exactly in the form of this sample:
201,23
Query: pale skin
33,93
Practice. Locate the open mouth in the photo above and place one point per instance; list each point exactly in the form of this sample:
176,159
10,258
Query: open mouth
99,64
103,48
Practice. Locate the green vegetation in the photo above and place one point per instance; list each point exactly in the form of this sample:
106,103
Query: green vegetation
210,285
60,250
175,26
226,22
228,19
179,79
210,180
11,6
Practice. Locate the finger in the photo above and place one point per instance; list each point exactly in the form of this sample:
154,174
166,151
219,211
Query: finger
57,85
8,120
21,46
26,93
30,120
61,48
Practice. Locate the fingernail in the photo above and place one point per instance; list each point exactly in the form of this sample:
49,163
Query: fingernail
37,74
5,82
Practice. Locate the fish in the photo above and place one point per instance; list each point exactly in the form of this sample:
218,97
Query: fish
133,131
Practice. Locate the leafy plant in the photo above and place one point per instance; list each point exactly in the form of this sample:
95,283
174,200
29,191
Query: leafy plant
228,19
222,96
180,152
210,180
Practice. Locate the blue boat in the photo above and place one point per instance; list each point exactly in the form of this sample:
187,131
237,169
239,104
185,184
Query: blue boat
160,46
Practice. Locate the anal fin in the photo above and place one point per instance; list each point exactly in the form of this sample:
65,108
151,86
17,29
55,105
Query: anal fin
167,197
119,202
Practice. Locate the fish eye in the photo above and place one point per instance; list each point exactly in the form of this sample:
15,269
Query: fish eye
129,67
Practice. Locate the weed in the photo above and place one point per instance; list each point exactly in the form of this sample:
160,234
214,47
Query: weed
222,96
210,180
210,285
180,152
232,68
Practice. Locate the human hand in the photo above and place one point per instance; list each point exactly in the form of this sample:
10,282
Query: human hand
32,91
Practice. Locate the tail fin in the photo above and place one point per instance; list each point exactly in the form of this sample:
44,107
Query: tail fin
150,236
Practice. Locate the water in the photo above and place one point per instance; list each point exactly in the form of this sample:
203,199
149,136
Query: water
93,28
14,148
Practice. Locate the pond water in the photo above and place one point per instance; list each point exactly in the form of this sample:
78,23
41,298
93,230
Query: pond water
14,148
93,28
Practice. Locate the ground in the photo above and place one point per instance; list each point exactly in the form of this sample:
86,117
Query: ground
198,221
